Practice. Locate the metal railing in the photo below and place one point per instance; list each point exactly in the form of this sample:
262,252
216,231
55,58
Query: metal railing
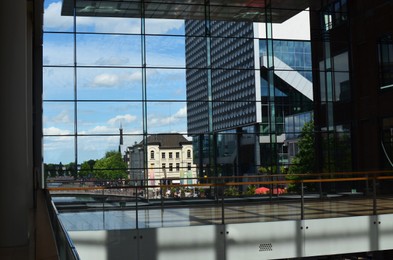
371,190
65,247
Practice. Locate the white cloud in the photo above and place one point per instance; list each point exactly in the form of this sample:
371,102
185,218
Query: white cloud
106,80
112,79
121,119
136,76
55,131
54,21
62,118
112,61
182,113
161,121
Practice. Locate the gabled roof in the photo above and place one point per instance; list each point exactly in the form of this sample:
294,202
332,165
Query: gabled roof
167,140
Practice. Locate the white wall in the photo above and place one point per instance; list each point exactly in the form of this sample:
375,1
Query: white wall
266,240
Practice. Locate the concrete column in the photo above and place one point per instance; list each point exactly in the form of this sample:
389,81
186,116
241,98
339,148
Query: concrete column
16,192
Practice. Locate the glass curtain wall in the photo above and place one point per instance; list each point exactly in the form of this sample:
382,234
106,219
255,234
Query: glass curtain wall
117,73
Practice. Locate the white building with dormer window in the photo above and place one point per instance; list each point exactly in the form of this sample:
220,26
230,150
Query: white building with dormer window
169,160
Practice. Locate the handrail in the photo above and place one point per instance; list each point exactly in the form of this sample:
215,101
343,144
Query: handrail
65,247
224,184
123,196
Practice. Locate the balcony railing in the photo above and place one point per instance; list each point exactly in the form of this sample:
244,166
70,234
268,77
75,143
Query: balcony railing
66,249
280,197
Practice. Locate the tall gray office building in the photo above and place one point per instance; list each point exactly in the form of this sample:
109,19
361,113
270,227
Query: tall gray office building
236,101
221,80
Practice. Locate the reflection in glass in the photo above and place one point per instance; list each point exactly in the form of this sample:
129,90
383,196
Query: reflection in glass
341,62
109,84
175,9
342,86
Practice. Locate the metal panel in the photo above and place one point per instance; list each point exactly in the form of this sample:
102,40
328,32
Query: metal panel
339,235
106,244
270,240
222,10
179,243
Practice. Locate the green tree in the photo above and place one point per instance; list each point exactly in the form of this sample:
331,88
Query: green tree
304,160
111,167
87,169
250,190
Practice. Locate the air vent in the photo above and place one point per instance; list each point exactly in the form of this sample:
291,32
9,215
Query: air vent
265,247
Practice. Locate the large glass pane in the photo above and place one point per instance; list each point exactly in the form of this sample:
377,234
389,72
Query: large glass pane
108,50
109,84
59,149
103,118
58,83
58,49
166,117
58,118
166,84
165,51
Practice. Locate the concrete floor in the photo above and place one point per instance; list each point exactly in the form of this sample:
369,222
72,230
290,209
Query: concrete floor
111,219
